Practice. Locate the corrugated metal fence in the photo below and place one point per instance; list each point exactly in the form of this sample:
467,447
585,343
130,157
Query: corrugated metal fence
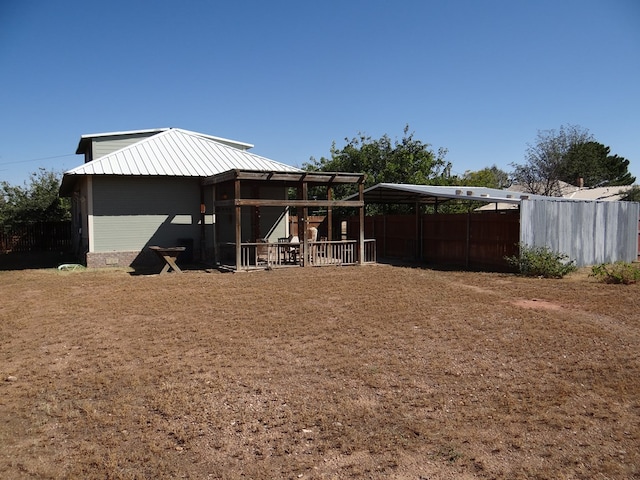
588,232
36,237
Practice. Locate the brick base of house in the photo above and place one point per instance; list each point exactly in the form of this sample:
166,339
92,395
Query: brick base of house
121,259
144,259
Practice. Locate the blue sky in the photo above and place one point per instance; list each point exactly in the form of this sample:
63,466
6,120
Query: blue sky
479,78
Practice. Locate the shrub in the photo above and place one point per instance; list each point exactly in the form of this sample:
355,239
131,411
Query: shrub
541,262
618,272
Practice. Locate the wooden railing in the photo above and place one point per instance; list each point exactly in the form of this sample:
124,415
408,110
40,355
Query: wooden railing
257,255
341,252
370,250
333,253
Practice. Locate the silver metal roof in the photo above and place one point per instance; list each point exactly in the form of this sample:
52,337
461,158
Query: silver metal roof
177,152
408,193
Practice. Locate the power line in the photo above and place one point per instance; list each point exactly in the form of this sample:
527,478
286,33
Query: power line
37,159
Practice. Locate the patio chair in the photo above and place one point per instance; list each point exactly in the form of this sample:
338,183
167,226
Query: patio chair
262,251
293,250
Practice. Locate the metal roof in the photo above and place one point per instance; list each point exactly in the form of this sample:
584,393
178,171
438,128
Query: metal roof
395,193
177,152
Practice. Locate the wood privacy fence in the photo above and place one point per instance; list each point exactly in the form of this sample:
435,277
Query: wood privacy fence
474,240
36,237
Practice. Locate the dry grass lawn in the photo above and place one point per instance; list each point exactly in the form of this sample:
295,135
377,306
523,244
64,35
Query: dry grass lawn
343,372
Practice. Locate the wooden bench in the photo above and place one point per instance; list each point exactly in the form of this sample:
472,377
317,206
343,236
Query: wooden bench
169,255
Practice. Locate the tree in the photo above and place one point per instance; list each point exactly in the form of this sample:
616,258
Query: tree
34,201
540,174
490,177
632,195
592,163
405,161
569,155
617,169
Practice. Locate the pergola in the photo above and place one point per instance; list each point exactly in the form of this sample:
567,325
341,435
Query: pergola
240,188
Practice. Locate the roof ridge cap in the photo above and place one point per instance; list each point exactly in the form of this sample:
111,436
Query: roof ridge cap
221,140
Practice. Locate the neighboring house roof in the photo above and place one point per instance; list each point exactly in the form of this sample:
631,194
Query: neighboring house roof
571,192
175,152
608,194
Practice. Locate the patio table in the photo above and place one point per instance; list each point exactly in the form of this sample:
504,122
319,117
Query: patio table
288,251
169,255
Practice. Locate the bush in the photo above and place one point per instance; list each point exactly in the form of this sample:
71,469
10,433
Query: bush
618,272
541,262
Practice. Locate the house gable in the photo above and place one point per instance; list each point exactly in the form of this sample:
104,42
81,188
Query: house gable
97,145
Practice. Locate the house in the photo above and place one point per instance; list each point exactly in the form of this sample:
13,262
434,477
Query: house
172,187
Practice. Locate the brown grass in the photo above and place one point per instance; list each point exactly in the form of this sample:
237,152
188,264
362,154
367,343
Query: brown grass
370,372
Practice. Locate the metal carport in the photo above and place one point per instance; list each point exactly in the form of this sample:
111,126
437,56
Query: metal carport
589,232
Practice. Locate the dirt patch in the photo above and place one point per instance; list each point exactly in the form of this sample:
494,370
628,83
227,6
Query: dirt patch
346,372
536,304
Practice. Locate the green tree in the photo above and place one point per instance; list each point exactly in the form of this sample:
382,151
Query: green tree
632,195
490,177
36,200
568,155
407,160
617,169
541,172
592,162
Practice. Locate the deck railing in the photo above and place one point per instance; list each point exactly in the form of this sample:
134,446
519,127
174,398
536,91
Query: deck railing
333,253
370,249
258,255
